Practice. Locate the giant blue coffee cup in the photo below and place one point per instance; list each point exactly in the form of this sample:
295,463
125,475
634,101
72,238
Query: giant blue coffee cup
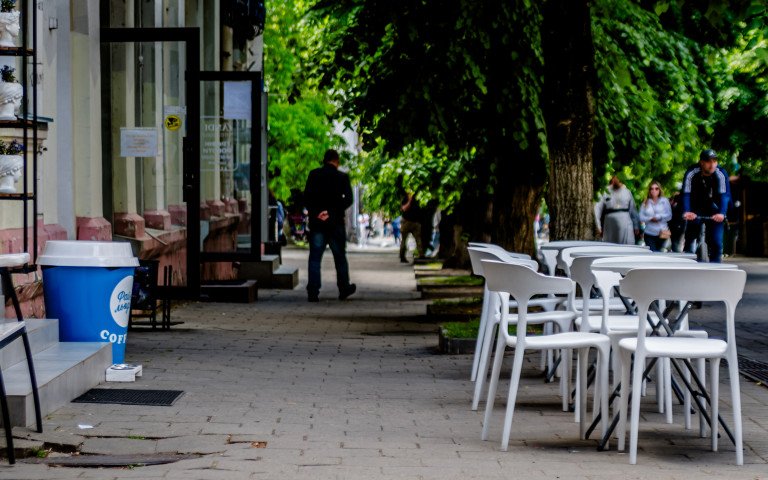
87,286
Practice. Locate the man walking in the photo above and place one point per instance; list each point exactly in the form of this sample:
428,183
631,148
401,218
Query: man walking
327,195
706,193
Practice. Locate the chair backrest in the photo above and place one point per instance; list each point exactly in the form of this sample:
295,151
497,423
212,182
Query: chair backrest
521,283
477,254
493,246
645,285
565,259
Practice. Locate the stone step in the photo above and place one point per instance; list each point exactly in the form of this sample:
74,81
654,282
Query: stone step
284,278
259,270
42,332
64,372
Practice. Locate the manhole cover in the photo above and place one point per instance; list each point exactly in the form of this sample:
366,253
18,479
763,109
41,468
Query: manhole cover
124,396
753,369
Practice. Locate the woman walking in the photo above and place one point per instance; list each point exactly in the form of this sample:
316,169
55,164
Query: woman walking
655,211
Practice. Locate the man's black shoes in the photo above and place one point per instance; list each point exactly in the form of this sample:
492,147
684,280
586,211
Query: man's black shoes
313,298
347,291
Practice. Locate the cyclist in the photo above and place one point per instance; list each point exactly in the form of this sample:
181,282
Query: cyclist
706,194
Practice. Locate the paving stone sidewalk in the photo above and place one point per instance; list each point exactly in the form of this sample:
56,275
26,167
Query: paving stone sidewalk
285,389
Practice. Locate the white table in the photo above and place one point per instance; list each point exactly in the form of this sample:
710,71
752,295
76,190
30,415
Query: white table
624,265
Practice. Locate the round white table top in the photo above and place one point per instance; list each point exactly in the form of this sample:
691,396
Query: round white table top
672,263
561,244
608,253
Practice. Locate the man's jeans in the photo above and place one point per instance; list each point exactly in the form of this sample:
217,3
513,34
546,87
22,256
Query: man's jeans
336,238
713,237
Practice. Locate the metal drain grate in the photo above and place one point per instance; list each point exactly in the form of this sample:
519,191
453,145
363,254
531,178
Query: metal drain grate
125,396
754,369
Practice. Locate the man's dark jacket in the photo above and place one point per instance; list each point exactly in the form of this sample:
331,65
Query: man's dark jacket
327,189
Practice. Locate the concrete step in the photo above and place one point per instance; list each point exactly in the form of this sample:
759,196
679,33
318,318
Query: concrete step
259,270
64,372
42,332
284,278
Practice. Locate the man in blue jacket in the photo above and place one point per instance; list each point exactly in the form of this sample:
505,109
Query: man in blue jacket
706,193
327,195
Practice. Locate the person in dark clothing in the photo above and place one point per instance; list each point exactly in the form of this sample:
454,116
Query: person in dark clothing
410,224
706,193
677,224
327,195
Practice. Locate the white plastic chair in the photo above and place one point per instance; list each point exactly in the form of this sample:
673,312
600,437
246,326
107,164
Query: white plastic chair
692,284
490,315
475,255
522,284
493,246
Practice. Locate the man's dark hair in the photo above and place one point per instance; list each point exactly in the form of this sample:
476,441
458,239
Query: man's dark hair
330,156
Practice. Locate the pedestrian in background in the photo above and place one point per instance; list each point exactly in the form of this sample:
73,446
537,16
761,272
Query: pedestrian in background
327,195
616,216
706,193
656,211
410,224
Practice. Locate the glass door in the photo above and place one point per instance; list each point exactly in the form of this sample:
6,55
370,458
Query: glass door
231,170
151,144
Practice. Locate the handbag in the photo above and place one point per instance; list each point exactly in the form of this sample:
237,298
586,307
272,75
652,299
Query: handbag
665,234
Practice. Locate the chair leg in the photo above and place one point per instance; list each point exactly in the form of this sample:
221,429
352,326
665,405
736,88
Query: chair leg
702,371
33,381
7,422
480,332
493,385
667,397
714,398
687,401
602,362
733,373
634,426
485,355
583,360
626,366
514,379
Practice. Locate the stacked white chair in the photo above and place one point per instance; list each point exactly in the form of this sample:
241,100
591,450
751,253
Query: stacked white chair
490,315
646,285
522,284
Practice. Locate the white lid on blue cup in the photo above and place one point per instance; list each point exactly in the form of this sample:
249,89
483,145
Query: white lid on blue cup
86,253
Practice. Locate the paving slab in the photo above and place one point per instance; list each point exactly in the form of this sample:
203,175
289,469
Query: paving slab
355,389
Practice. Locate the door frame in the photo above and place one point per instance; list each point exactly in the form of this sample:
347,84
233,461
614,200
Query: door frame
256,181
190,36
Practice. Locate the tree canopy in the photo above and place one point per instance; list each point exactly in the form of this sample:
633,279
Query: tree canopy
452,101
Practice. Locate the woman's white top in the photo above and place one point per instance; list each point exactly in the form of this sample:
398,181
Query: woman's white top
661,210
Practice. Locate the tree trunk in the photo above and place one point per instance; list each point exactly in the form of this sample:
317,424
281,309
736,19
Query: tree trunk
569,112
514,212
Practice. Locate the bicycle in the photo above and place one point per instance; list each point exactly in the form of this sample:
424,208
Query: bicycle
701,249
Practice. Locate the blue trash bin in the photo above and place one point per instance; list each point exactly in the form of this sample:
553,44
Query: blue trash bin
87,286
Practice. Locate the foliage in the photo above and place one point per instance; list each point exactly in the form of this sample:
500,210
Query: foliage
470,329
456,280
741,110
13,148
7,74
300,126
426,171
446,98
7,5
654,103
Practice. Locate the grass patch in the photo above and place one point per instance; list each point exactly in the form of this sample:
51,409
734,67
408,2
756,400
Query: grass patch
469,329
136,437
455,302
457,280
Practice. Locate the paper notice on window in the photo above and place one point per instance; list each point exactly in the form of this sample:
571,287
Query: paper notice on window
237,100
138,142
